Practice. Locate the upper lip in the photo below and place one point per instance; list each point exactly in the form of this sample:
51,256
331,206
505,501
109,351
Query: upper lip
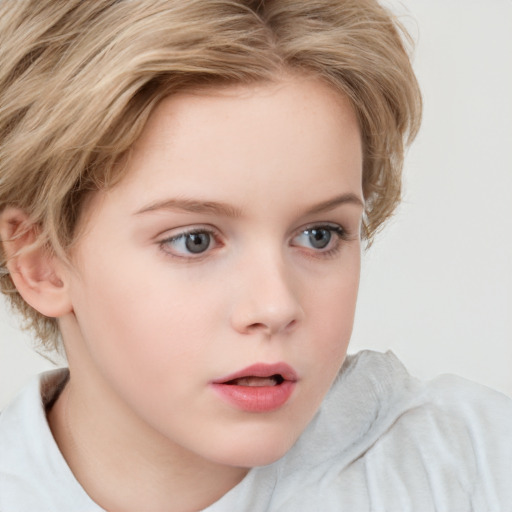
261,370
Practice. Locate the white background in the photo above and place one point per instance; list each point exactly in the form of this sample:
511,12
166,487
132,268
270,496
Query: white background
436,285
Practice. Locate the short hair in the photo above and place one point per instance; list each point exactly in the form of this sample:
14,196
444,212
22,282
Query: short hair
78,81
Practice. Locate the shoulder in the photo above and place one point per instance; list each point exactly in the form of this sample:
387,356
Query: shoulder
392,442
33,473
464,423
475,404
455,443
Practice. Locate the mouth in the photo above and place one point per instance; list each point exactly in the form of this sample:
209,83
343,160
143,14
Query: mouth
260,374
258,388
252,381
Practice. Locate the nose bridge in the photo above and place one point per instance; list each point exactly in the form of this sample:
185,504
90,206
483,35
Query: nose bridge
267,297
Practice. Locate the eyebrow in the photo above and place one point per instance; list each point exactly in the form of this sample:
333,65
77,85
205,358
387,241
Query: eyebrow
227,210
330,204
193,206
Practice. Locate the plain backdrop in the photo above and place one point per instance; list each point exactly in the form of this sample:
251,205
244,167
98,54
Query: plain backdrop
436,285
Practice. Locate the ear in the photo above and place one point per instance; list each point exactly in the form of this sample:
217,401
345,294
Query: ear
37,274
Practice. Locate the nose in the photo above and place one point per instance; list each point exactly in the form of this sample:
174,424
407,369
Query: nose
266,300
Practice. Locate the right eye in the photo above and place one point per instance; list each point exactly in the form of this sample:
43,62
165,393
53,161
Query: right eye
188,244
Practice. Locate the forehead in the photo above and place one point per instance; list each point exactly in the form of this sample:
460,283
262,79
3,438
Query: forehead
248,130
258,105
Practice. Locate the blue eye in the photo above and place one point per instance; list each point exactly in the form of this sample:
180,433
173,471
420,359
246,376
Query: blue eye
197,243
320,238
189,243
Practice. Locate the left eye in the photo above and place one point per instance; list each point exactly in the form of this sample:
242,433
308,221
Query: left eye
319,237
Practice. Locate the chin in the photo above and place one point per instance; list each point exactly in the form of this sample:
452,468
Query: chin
260,451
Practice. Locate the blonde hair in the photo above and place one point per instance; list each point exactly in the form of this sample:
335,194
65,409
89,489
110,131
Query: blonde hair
78,81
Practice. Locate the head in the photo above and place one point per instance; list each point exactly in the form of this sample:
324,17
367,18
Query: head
79,80
94,94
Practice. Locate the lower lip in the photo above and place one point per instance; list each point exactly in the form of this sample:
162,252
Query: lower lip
256,398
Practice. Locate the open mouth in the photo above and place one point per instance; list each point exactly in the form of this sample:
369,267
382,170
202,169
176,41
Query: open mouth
266,392
260,375
253,381
259,388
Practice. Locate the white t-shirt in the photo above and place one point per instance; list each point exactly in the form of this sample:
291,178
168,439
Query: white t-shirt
381,441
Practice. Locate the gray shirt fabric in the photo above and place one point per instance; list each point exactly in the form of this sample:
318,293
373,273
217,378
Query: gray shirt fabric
381,441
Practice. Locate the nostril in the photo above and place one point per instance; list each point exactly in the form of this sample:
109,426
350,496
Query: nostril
291,324
257,326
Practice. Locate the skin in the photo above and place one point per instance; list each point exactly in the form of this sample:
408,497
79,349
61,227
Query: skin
150,325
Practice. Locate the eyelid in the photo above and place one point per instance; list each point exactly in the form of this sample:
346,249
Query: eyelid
332,226
184,229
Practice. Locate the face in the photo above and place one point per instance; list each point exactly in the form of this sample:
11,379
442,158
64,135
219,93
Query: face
214,287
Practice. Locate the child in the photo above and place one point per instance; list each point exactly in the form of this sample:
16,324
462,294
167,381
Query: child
184,192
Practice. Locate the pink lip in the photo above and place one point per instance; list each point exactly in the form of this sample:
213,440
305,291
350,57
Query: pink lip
257,398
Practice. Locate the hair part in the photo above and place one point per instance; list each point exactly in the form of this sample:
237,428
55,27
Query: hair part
78,81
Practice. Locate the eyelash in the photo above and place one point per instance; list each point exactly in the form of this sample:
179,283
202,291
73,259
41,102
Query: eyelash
338,231
340,235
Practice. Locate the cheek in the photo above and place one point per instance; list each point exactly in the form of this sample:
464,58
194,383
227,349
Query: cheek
150,346
149,324
331,311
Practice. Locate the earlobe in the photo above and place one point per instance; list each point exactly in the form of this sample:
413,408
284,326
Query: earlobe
37,274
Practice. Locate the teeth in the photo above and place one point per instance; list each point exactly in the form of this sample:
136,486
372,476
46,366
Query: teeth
257,381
